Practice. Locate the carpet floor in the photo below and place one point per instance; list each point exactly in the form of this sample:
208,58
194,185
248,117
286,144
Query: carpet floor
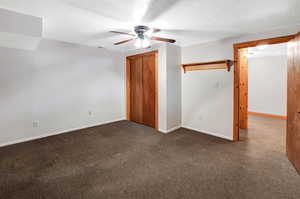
128,160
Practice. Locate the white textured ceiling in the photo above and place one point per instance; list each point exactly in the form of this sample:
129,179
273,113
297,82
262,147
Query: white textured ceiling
188,21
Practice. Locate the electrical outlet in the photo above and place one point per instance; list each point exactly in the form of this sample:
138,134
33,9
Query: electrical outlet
35,124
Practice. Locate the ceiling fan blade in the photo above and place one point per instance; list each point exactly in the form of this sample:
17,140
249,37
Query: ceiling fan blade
163,39
122,42
122,33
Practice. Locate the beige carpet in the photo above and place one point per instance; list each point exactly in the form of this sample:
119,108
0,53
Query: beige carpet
128,160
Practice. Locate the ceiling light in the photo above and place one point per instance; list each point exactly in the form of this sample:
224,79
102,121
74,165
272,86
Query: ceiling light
145,43
138,43
142,43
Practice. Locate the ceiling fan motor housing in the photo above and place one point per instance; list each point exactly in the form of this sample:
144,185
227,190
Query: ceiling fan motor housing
141,30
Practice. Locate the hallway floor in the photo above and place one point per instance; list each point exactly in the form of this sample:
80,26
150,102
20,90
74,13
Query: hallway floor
128,160
265,131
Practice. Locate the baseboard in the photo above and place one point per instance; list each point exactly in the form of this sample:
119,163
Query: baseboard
267,115
209,133
170,130
57,133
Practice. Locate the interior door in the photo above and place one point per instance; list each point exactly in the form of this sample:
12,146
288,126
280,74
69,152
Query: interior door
136,89
293,102
142,89
149,90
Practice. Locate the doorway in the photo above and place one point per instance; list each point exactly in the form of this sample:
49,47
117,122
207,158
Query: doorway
263,94
240,86
293,80
263,82
142,88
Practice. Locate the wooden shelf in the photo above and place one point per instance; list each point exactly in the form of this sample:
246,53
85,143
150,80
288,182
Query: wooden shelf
222,64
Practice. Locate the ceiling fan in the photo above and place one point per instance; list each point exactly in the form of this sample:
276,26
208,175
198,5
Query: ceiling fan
142,36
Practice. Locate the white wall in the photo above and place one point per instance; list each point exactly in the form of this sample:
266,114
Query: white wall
173,87
207,96
19,31
267,77
58,87
20,23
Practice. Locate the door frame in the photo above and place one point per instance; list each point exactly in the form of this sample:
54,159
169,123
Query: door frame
236,82
128,76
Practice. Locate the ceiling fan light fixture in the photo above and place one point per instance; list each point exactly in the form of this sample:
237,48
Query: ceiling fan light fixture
143,36
142,42
138,43
146,42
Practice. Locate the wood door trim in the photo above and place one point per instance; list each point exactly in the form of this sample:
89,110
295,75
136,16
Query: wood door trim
243,103
156,89
236,82
128,89
128,76
268,41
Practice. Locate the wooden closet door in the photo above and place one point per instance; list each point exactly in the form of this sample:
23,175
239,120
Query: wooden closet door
141,89
136,89
149,90
293,102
